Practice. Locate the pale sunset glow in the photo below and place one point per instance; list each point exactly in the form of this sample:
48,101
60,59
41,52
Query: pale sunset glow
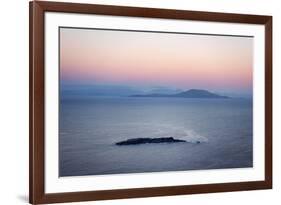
129,99
184,61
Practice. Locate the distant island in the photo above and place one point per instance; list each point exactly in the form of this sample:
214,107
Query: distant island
192,93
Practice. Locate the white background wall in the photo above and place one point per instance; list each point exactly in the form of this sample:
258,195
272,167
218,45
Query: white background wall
14,100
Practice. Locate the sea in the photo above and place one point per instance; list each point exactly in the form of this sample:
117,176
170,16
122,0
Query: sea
218,134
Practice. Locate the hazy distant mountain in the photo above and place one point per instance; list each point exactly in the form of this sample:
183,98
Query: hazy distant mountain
113,90
192,93
98,90
119,90
161,90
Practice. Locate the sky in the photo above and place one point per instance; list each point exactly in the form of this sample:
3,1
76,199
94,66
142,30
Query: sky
142,59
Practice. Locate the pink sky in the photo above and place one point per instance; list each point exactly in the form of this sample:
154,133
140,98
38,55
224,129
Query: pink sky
156,59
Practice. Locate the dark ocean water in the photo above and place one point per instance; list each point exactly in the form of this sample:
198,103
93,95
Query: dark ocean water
89,127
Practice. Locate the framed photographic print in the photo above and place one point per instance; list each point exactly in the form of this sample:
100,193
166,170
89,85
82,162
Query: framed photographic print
139,102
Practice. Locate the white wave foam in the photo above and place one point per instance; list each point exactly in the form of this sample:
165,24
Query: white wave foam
193,137
188,135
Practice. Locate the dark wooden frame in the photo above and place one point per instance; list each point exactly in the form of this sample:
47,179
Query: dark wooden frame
37,194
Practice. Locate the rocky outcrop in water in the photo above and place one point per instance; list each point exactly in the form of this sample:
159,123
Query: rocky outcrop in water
136,141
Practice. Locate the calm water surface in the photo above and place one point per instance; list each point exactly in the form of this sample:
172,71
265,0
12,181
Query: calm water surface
89,127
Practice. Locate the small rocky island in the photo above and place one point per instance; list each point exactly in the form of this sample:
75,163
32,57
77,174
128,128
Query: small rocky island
136,141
